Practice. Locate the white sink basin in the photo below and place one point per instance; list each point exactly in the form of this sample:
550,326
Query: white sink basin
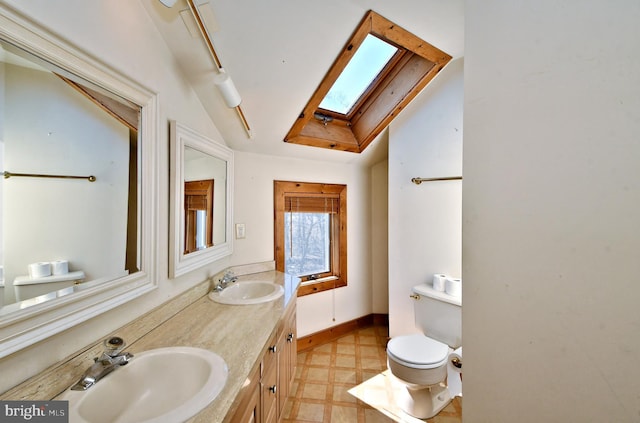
249,292
161,385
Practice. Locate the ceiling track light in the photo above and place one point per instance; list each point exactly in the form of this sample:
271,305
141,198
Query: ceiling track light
227,89
222,80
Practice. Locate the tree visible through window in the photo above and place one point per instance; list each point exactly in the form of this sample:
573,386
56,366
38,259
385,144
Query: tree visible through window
306,243
310,233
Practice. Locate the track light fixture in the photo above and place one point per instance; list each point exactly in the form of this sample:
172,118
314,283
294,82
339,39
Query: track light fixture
222,79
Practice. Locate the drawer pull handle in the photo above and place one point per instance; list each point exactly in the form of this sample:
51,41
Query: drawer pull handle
290,337
273,348
273,389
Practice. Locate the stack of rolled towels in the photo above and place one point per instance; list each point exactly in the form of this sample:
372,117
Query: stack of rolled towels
447,284
47,268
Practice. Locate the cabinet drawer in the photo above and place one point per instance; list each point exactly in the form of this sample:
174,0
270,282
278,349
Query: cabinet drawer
269,386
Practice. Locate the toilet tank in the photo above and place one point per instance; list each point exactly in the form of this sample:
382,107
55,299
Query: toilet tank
26,287
438,315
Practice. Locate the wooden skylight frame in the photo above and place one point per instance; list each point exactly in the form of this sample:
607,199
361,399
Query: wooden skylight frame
408,72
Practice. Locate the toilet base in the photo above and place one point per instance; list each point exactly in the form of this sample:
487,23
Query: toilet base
423,402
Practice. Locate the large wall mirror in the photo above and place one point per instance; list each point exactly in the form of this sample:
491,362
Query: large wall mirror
77,150
201,200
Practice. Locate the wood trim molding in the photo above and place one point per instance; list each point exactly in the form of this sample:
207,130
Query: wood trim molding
330,334
284,189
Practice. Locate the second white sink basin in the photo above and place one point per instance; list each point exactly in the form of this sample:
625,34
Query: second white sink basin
160,385
249,292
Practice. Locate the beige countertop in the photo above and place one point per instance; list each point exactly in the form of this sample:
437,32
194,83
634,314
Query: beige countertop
237,333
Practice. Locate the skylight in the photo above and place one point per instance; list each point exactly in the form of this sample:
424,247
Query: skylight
366,64
381,68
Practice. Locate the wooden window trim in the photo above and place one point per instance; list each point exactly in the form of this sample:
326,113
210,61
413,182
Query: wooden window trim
198,195
409,71
338,276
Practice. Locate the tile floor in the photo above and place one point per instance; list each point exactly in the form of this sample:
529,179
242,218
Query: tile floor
325,374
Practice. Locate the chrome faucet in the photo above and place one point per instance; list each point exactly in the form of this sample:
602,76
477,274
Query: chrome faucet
112,357
228,278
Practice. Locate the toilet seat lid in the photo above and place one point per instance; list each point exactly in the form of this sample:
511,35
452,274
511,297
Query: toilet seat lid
418,350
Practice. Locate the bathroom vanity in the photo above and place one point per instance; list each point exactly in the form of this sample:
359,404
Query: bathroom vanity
256,341
263,398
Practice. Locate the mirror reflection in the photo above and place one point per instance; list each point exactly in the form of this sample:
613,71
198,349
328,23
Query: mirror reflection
198,210
204,200
70,200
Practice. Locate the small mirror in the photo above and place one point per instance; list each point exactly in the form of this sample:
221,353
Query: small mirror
201,181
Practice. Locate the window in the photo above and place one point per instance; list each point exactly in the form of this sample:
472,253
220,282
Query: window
311,233
366,64
379,71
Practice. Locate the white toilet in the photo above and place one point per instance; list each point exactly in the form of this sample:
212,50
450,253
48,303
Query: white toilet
419,362
26,287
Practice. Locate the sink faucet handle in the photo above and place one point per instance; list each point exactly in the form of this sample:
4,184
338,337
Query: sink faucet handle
113,346
228,277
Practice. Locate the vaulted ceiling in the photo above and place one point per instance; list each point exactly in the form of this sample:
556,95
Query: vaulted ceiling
277,52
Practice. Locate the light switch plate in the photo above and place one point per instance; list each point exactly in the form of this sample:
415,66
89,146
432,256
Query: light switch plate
240,230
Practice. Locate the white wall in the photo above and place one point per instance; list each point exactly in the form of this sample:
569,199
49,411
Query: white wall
551,204
380,237
425,220
253,206
137,50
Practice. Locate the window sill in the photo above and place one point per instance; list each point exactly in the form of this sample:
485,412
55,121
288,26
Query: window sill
319,285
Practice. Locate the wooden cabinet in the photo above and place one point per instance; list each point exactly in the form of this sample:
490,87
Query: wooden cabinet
269,382
249,408
287,357
264,400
